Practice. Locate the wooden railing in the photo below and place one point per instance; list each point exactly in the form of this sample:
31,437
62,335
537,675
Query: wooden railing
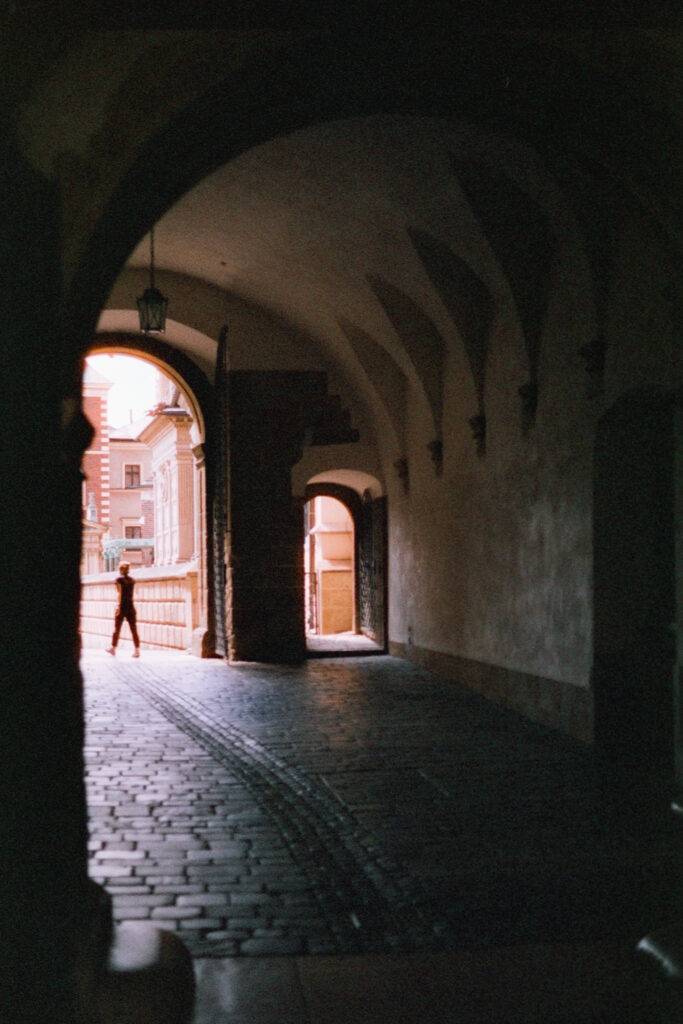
166,602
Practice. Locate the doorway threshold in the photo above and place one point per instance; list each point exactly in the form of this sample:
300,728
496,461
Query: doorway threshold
340,645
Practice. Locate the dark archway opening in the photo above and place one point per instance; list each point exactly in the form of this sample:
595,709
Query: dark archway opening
637,569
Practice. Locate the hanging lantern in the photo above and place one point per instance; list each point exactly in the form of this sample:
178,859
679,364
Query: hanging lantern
152,305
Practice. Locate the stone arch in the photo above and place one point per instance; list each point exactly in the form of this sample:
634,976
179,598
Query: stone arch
522,242
309,81
467,299
424,346
362,495
201,398
275,94
385,376
350,499
350,479
173,363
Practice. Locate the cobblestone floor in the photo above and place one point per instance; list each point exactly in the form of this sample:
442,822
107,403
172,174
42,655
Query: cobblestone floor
353,806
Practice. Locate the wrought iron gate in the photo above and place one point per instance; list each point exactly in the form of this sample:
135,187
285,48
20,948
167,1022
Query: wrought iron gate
372,567
220,495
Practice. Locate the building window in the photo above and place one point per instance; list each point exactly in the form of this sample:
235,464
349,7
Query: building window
132,476
132,532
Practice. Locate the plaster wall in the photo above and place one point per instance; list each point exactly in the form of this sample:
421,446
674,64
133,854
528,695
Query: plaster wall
122,455
126,508
491,562
174,486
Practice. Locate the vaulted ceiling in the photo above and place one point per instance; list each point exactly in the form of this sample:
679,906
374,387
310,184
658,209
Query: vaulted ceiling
391,193
408,233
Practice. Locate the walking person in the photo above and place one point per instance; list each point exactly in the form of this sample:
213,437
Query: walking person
125,610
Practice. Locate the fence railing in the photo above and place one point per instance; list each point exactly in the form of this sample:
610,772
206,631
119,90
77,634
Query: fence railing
166,601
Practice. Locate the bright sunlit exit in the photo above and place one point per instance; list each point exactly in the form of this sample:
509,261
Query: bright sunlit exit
134,385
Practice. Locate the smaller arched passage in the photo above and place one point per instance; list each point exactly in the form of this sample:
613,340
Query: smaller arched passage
369,587
208,636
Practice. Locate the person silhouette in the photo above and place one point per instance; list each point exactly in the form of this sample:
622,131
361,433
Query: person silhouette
125,610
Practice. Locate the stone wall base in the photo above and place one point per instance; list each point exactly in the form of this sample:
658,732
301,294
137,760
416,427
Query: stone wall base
203,643
556,704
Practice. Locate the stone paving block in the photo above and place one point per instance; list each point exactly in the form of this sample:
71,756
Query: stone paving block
108,854
213,872
179,840
121,889
160,868
182,888
144,900
157,880
176,913
108,871
134,810
202,923
164,850
226,885
227,853
203,899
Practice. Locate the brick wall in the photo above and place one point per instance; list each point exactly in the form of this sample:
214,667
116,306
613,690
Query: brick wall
95,462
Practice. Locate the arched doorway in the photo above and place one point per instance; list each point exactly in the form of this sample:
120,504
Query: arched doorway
345,554
153,476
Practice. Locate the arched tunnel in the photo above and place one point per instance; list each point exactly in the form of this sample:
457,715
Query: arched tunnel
403,248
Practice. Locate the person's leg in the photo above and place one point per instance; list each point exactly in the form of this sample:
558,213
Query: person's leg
118,620
132,622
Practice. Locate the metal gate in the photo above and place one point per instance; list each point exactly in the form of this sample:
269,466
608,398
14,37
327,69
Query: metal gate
372,567
220,495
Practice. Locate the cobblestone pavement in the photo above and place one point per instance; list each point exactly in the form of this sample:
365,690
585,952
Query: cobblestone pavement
352,806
